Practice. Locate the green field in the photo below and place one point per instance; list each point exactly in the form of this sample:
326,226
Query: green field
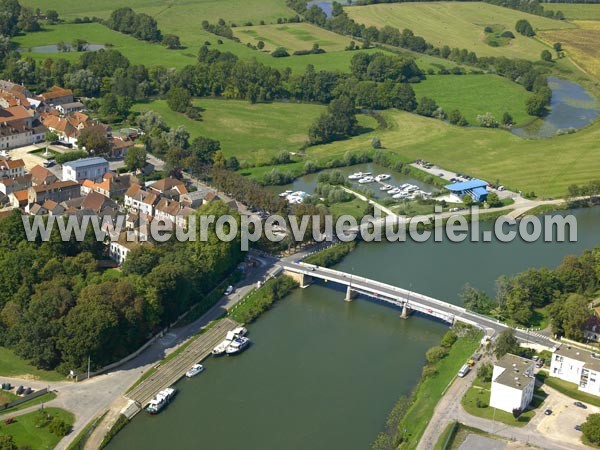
458,24
476,94
252,133
173,15
13,366
141,52
292,36
580,11
545,166
26,433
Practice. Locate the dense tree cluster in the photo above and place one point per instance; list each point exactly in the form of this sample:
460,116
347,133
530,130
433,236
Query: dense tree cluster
524,27
220,29
139,25
57,308
15,18
565,290
337,123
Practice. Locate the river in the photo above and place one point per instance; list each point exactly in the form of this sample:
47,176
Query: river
323,373
571,108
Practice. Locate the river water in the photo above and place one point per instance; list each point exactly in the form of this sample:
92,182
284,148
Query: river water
323,373
571,108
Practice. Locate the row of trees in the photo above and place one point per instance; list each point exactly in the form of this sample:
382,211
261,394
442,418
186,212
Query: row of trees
565,291
57,308
517,70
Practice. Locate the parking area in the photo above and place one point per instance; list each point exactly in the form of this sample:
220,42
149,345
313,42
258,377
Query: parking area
450,176
560,425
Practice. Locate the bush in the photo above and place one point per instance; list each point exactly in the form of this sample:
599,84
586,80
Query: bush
435,354
59,427
487,120
428,371
449,339
376,142
280,52
485,371
62,158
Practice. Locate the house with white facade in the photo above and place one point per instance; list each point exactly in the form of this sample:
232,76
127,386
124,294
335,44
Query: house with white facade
513,382
86,168
139,200
119,248
578,366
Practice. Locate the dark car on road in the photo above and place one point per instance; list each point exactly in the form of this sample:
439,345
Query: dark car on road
580,405
548,412
578,427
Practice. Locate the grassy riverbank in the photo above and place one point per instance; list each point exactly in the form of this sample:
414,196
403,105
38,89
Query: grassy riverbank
262,299
408,419
331,255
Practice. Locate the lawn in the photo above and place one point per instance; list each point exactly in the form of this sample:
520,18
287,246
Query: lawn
431,389
13,366
292,36
480,392
173,15
142,52
545,166
252,133
580,44
27,434
458,24
476,94
581,11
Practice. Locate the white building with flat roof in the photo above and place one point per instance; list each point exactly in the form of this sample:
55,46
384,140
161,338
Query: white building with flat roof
86,168
513,382
578,366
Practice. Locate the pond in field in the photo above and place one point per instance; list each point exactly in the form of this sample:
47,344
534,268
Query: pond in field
307,183
325,6
53,48
572,107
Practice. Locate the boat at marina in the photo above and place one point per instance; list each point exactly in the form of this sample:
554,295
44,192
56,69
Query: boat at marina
285,193
238,345
386,187
382,177
394,191
195,370
240,331
367,179
400,196
161,400
222,347
356,176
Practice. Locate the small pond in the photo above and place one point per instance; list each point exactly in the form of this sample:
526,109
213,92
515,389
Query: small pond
326,6
572,108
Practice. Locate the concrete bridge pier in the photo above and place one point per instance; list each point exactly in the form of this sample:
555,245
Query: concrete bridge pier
303,280
350,294
406,311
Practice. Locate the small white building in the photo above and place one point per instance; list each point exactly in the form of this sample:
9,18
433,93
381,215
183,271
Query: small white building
578,366
86,168
513,382
119,249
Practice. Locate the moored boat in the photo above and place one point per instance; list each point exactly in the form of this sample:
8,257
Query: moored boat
238,345
195,370
220,349
386,187
161,400
367,179
382,177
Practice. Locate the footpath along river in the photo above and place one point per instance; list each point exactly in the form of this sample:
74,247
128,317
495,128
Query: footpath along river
323,373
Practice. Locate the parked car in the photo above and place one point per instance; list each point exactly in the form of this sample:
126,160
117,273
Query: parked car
229,290
500,188
49,163
580,405
548,412
578,427
540,363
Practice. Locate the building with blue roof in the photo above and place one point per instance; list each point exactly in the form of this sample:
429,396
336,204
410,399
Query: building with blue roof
475,188
85,169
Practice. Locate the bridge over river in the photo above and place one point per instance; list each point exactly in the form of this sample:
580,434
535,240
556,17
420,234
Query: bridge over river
407,300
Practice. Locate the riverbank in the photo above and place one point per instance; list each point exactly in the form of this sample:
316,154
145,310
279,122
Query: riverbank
408,419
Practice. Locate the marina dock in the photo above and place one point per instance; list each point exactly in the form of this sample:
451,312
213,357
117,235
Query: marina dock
171,371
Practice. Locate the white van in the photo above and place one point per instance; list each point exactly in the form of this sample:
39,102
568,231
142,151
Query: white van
464,370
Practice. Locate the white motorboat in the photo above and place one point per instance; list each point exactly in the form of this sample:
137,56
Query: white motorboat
356,176
195,370
240,331
161,400
220,349
367,179
394,191
386,187
382,177
238,345
400,196
285,193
